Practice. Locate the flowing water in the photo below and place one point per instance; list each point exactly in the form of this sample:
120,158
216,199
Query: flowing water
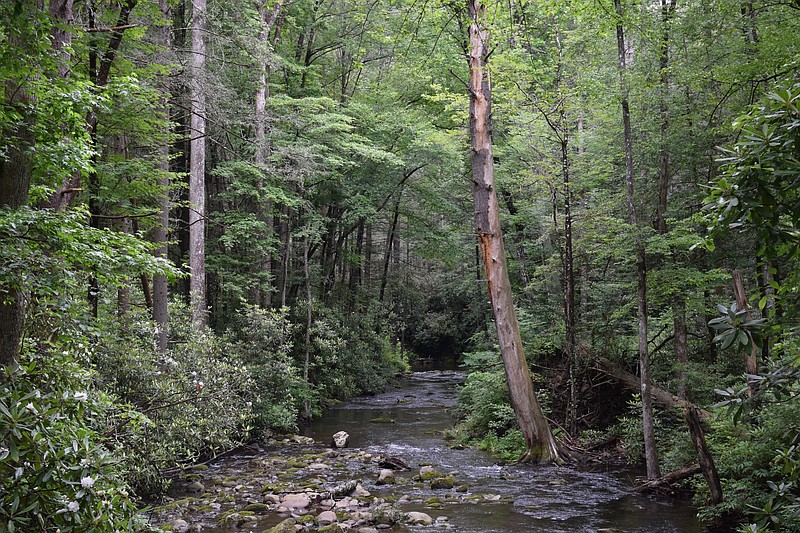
492,497
532,498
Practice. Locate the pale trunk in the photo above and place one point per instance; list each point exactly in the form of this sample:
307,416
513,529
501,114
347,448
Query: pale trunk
648,425
264,297
161,231
197,165
750,359
540,444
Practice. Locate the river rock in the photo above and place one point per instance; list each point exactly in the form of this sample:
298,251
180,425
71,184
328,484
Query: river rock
447,482
367,530
427,469
386,477
386,514
296,501
414,517
287,526
179,526
196,487
343,489
272,498
395,463
258,508
361,491
326,517
340,439
318,466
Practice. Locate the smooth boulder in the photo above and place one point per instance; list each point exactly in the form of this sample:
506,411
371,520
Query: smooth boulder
340,439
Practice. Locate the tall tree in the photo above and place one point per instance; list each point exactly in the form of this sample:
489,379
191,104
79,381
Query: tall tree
648,426
197,167
161,232
540,446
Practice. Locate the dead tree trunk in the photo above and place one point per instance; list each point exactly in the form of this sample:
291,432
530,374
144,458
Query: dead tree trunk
751,359
703,455
540,444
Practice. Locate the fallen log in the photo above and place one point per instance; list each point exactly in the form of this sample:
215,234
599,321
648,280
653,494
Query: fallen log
666,480
660,396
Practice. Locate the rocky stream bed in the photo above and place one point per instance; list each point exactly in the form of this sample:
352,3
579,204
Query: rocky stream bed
303,483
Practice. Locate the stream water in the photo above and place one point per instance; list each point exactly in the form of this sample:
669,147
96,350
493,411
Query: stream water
250,490
542,499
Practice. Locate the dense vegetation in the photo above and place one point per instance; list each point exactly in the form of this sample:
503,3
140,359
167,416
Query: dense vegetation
336,237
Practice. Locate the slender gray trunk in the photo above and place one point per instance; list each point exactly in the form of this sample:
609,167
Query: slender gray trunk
197,166
161,231
648,424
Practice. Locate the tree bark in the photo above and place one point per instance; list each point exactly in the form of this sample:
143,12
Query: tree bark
390,241
651,454
681,343
197,166
15,180
570,342
263,297
750,359
667,10
539,441
161,231
703,455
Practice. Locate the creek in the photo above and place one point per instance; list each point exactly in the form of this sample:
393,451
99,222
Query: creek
491,497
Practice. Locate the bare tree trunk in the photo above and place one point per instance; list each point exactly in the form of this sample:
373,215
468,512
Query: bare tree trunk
368,255
539,441
161,231
61,11
309,316
667,10
390,241
703,455
570,343
750,359
681,343
197,166
648,426
15,180
268,19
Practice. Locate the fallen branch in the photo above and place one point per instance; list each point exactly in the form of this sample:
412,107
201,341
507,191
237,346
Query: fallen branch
666,480
632,382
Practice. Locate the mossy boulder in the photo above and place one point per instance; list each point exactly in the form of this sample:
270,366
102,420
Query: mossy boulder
287,526
428,475
446,482
258,508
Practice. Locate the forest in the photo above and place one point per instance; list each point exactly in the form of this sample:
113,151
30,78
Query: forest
220,217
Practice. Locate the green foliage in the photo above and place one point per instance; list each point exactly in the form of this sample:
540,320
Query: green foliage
349,355
758,462
190,404
736,332
263,339
56,471
484,405
52,253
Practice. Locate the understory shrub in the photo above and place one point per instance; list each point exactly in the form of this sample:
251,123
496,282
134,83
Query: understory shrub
349,354
56,472
188,404
263,338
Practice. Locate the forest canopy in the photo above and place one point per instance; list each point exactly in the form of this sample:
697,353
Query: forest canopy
217,217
